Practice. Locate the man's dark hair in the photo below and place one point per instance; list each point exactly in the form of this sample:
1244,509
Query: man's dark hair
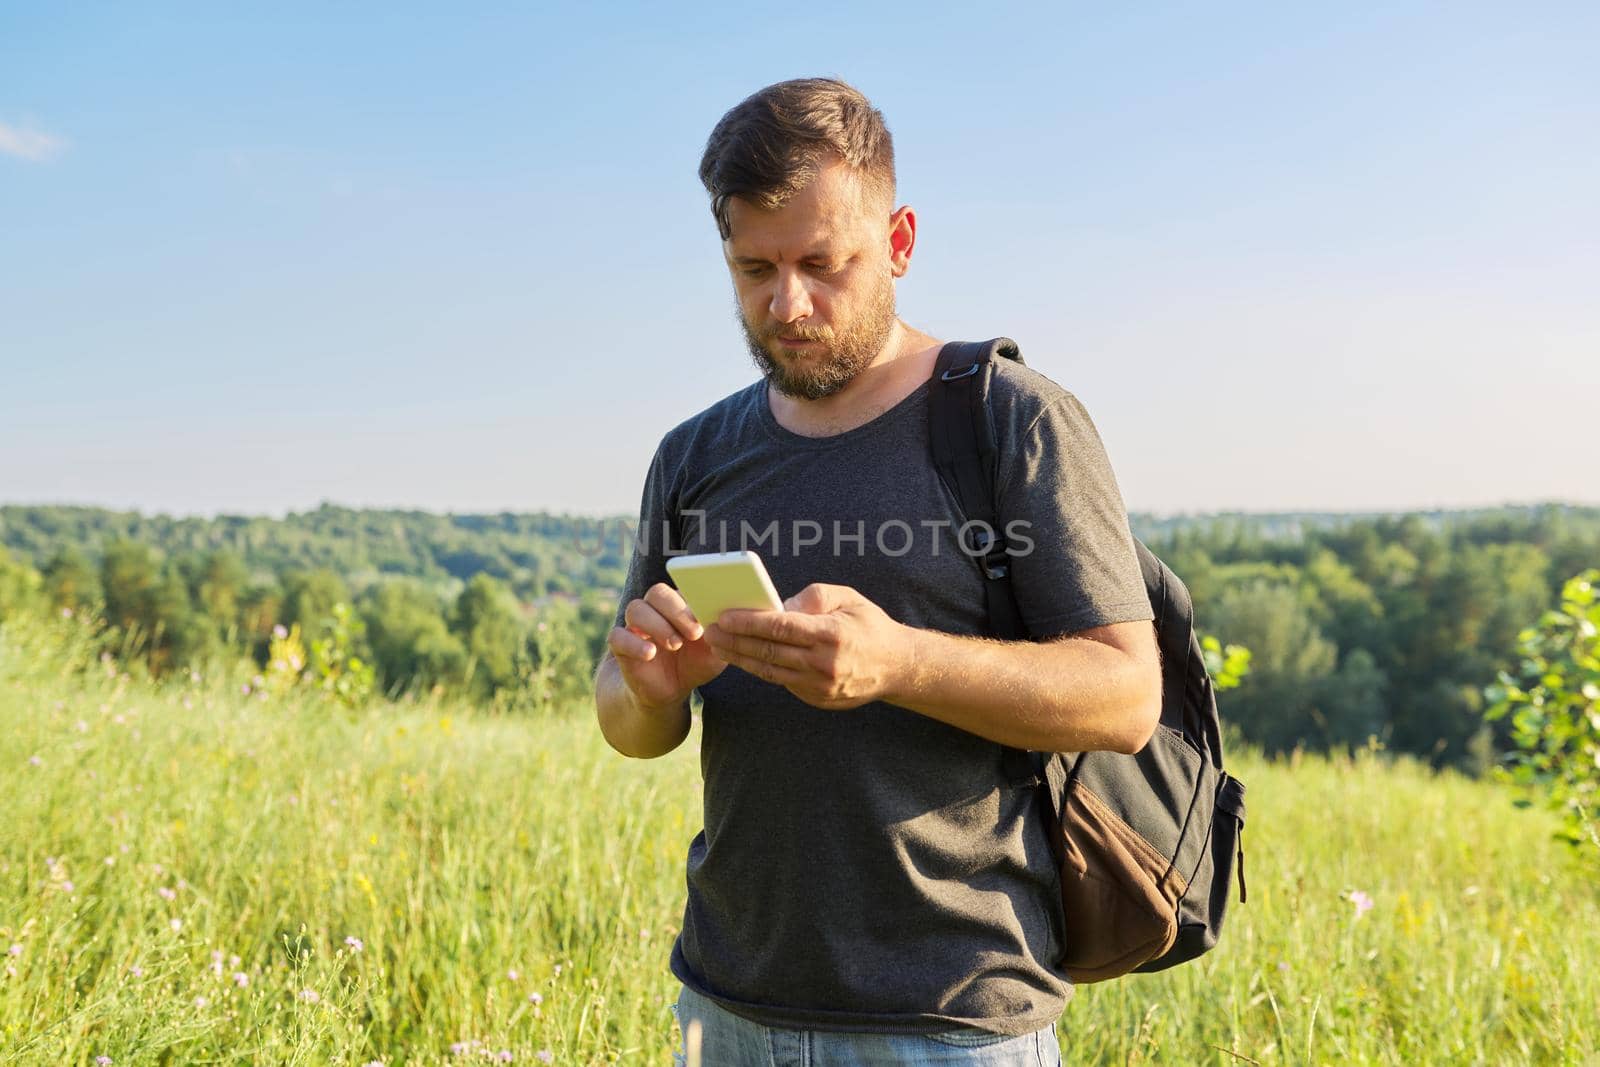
771,145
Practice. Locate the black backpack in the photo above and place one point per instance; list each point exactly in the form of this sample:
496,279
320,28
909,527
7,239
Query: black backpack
1146,843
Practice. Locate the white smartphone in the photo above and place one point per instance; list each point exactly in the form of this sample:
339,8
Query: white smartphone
714,582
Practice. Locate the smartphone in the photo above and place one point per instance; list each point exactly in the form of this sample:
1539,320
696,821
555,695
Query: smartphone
714,582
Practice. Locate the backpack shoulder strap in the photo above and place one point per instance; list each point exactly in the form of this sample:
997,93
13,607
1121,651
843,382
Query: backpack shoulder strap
964,451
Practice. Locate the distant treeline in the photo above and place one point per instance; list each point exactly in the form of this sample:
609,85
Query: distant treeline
508,608
1377,627
1359,626
533,555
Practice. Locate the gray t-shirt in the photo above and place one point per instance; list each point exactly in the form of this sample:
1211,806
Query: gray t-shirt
875,869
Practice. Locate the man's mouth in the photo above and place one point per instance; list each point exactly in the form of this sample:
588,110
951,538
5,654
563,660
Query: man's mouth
797,341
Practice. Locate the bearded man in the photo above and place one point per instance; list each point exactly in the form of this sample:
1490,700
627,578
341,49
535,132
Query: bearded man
870,886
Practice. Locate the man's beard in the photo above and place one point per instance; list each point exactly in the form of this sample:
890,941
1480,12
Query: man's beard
825,370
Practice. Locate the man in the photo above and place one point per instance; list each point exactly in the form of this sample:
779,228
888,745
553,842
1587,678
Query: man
870,886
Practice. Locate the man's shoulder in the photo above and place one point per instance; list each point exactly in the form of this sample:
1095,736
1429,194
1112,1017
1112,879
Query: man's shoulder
1019,395
728,417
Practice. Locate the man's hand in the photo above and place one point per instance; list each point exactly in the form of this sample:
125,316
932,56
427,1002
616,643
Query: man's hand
830,646
662,651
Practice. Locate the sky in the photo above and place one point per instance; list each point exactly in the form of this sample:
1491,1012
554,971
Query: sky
1290,257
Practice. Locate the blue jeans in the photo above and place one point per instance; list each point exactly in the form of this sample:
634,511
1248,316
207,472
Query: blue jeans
728,1040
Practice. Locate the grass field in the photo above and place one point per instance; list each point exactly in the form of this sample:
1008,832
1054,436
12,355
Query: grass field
193,874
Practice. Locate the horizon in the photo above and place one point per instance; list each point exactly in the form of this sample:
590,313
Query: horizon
1290,260
1311,513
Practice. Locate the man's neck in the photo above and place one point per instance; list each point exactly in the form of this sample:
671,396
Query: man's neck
905,363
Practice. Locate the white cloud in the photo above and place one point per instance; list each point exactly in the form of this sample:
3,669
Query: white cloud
35,146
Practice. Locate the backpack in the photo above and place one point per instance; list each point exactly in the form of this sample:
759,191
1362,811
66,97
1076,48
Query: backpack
1145,843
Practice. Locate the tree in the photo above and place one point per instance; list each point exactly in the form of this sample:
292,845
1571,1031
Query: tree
177,635
1554,703
218,583
411,645
128,578
1346,609
70,581
487,625
309,597
20,585
1289,661
1350,706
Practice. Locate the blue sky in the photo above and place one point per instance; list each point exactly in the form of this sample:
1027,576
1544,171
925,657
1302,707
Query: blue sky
1289,256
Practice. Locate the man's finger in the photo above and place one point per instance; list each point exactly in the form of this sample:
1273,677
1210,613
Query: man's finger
625,644
819,598
644,620
757,648
802,683
789,628
670,603
776,673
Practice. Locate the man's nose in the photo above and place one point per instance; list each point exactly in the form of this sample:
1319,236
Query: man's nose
791,301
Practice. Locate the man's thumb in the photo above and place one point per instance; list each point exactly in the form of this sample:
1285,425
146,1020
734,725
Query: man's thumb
818,598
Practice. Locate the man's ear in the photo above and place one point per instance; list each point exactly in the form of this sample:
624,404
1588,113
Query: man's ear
902,240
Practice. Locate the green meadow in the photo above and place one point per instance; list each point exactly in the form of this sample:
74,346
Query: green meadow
191,872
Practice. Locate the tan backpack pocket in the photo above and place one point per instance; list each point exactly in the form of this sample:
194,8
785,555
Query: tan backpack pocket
1120,896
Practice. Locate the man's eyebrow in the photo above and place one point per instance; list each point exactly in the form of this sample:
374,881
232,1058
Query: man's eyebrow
821,253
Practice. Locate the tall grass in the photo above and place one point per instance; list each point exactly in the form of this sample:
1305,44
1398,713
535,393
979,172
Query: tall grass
181,865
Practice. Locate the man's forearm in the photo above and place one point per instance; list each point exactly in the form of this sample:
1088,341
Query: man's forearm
630,727
1075,694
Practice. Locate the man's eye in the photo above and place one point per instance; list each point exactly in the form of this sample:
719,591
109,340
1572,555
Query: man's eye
824,268
752,272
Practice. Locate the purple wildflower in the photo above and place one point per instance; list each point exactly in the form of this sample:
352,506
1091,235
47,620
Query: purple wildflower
1362,902
354,943
546,1056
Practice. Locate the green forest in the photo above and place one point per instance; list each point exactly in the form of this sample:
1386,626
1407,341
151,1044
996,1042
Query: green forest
1363,630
